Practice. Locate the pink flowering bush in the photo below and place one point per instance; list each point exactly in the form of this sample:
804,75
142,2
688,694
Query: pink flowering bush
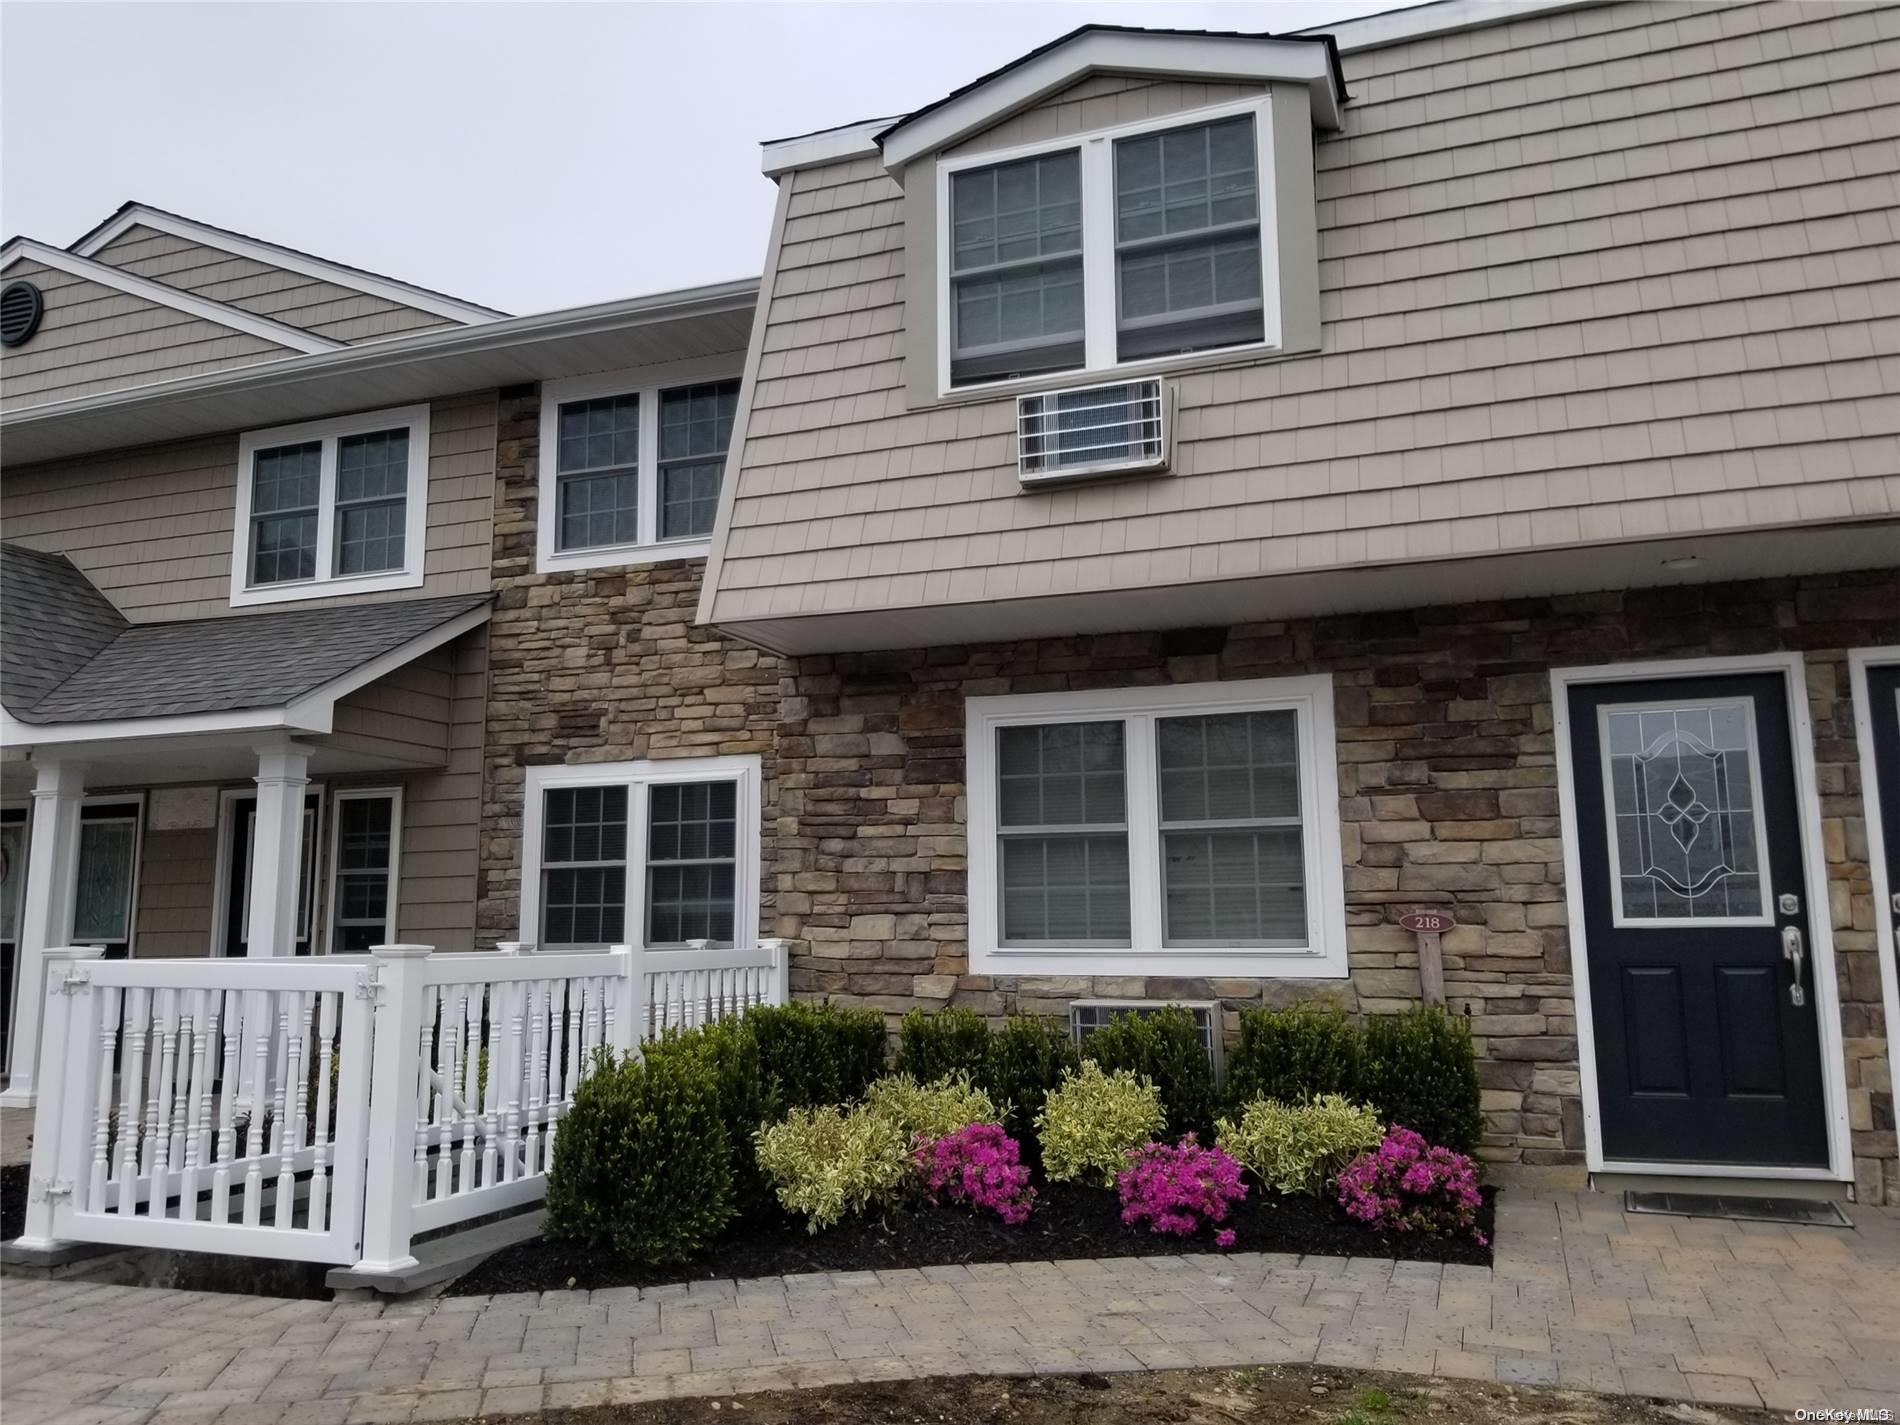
1181,1188
1408,1185
979,1166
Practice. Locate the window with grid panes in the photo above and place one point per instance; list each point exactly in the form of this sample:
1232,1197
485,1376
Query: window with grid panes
692,862
372,485
364,874
598,473
1171,221
1063,817
695,429
584,866
286,484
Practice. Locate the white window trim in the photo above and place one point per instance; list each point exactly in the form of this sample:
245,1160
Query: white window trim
1311,697
363,794
1097,148
136,800
326,585
637,778
646,382
1764,871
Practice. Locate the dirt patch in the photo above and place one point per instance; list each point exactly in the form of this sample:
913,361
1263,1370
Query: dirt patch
1270,1395
1069,1222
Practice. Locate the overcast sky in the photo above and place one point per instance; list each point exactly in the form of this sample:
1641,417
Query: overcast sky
528,156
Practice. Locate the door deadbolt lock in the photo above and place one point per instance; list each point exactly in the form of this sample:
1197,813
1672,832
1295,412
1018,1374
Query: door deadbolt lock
1789,903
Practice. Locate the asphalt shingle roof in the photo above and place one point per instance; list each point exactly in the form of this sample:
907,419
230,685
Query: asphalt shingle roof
52,622
224,664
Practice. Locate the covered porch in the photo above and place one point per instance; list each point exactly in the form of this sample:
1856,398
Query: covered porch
221,787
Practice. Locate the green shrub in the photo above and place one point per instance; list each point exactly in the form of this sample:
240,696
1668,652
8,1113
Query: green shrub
826,1162
929,1110
948,1041
1165,1048
1293,1054
1028,1057
817,1053
1300,1147
1093,1120
729,1050
641,1163
1420,1072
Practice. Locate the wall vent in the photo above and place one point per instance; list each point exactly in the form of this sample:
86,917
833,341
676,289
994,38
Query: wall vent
21,308
1088,1015
1120,428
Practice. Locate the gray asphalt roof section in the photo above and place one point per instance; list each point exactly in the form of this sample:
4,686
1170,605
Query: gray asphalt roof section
229,664
53,621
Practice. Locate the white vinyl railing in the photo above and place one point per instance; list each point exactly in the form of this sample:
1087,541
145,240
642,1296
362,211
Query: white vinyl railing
331,1109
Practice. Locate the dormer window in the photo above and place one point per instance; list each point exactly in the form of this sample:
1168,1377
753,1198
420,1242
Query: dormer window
331,507
1135,244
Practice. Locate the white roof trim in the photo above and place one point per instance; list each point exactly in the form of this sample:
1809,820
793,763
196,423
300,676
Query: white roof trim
291,261
500,335
158,292
1124,52
826,146
313,712
1442,17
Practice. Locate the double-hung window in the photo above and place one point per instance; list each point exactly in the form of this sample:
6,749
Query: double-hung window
331,507
1130,245
1180,830
364,856
631,465
657,853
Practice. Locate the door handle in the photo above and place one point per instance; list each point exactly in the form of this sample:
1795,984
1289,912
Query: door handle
1792,952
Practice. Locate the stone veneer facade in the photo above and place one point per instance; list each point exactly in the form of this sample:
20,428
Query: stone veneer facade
599,667
1447,771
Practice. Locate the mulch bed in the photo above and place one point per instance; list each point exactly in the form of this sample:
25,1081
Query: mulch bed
1069,1221
13,1200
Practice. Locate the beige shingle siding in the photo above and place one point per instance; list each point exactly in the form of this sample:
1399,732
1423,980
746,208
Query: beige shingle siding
307,303
442,814
176,871
152,527
1593,276
1099,102
95,338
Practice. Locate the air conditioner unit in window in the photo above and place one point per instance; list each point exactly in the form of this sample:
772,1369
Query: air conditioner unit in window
1088,1015
1120,428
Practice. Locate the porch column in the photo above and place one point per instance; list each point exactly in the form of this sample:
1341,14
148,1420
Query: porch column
277,848
46,913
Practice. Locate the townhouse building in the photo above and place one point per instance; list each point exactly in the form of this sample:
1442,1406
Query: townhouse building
1169,511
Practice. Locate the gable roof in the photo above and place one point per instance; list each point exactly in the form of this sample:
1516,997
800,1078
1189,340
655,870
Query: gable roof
69,657
294,339
1312,60
135,214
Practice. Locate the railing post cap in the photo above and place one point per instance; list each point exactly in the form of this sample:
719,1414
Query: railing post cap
73,952
401,952
514,947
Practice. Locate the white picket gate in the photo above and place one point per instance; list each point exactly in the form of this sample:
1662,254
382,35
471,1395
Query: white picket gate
239,1106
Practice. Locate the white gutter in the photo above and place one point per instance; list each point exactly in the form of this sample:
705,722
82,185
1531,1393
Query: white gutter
504,334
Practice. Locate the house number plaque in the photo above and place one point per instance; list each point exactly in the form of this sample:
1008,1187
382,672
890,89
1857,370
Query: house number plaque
1428,926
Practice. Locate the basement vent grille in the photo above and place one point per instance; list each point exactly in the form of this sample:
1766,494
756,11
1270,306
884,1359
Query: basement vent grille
1092,430
21,308
1088,1015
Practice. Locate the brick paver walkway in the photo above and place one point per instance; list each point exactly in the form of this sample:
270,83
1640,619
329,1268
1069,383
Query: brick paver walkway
1581,1295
